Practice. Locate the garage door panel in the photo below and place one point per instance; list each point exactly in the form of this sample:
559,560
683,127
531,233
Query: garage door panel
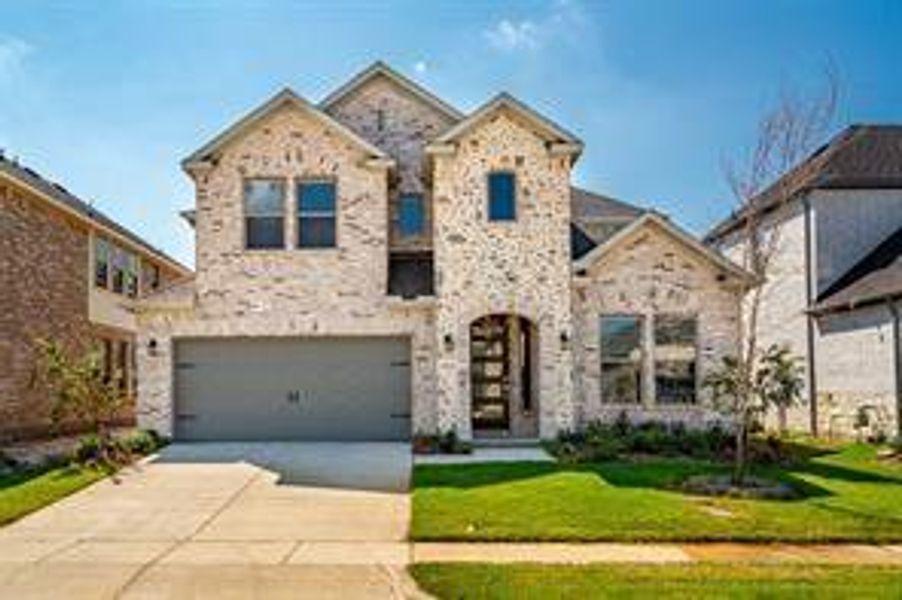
315,388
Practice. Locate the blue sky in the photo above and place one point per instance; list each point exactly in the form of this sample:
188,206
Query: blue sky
108,97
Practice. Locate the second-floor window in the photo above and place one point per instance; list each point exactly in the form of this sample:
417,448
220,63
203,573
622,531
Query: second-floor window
101,263
502,197
264,221
411,215
115,269
316,214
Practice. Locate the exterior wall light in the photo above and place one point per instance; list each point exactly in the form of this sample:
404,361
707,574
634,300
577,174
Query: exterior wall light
152,347
449,342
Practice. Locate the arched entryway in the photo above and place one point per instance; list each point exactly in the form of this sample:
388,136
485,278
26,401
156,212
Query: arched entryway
503,377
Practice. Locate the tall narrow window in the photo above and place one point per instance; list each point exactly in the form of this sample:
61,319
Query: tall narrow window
101,263
675,359
621,359
411,215
122,363
119,266
316,215
502,197
264,222
131,274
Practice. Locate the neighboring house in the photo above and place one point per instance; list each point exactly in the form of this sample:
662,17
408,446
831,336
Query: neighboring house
833,292
381,264
69,273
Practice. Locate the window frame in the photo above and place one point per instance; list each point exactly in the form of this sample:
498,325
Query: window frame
640,363
245,216
515,190
299,184
694,362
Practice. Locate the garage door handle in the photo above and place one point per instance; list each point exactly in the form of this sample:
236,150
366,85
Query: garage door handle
400,415
185,417
400,363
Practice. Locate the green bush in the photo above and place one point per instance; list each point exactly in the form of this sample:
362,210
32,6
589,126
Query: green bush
440,443
608,441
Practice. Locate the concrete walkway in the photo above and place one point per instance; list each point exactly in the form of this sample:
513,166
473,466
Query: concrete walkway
224,520
554,553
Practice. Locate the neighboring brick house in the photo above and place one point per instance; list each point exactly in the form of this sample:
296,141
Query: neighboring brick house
68,273
835,284
381,264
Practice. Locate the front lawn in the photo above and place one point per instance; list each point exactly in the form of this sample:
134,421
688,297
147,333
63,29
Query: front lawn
25,492
846,495
670,581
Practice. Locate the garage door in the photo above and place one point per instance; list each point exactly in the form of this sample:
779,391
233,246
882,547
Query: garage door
292,389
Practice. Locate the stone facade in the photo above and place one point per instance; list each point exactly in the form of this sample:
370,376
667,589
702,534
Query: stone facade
516,268
519,267
856,373
45,293
401,125
651,273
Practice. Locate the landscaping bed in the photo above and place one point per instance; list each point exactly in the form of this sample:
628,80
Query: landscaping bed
841,494
670,581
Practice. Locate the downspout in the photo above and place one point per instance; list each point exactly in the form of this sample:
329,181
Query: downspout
809,322
897,363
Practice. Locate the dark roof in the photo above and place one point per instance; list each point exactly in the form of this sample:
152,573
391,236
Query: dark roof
589,205
33,179
595,218
859,157
876,277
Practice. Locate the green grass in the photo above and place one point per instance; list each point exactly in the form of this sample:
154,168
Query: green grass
846,495
672,581
26,492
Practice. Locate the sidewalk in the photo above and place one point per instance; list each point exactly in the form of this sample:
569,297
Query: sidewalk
562,553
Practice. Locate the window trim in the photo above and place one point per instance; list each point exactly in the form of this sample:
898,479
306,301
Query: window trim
299,183
488,188
641,363
245,216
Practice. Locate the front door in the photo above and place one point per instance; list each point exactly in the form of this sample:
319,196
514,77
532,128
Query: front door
490,373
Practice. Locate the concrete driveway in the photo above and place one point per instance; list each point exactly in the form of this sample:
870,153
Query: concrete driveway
225,520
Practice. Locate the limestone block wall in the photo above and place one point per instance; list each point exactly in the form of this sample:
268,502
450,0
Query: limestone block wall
520,267
290,291
400,124
651,274
855,364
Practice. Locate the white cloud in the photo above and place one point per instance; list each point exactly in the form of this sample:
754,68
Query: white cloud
13,52
420,67
510,35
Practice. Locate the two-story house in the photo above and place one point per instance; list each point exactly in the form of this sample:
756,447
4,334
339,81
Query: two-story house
380,264
70,273
834,286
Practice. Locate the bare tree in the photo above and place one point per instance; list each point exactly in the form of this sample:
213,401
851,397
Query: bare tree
762,185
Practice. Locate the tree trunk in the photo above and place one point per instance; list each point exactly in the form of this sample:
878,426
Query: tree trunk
740,462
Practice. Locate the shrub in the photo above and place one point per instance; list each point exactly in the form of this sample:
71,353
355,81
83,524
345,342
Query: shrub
440,443
607,441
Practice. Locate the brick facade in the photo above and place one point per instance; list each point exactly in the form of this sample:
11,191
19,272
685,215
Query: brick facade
45,292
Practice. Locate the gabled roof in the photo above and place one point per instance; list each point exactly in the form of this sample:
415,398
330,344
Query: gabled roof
551,131
58,195
876,277
380,69
286,97
859,157
653,219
